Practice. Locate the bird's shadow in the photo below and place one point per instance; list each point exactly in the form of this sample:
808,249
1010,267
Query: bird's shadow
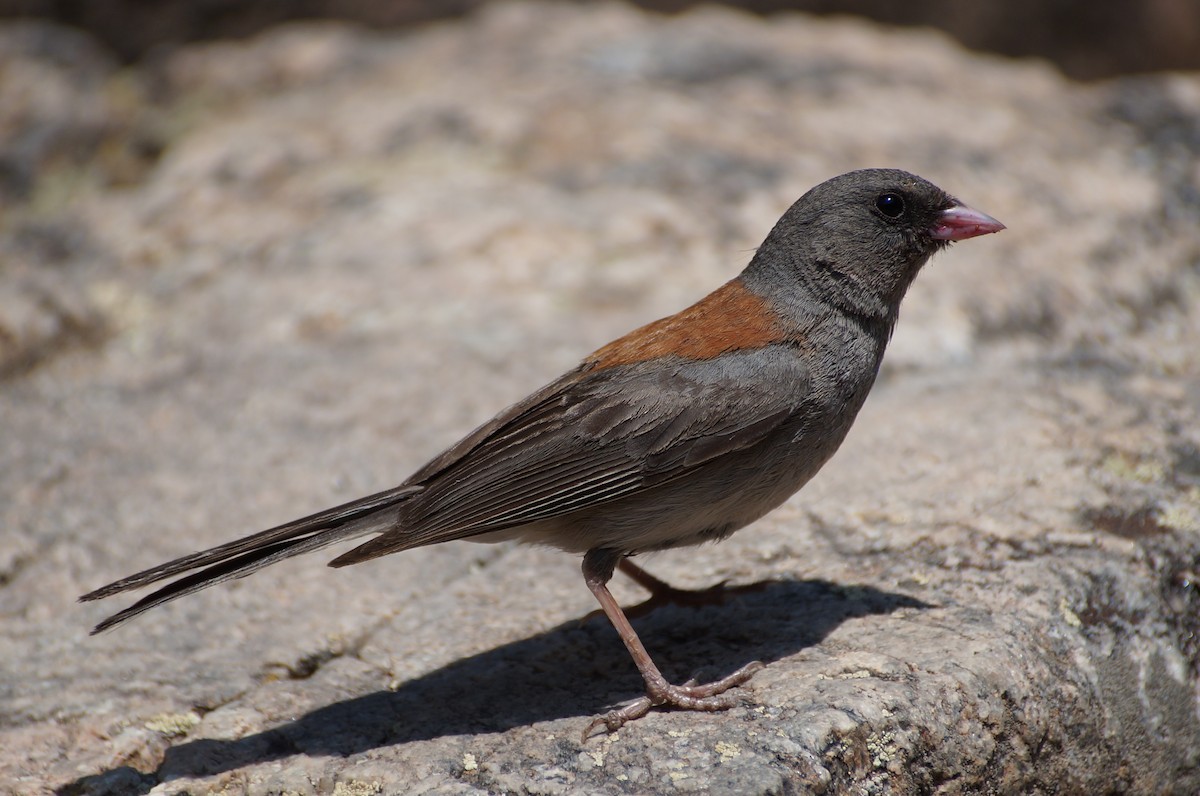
574,669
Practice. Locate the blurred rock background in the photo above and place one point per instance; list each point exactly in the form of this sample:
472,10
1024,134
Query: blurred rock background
1084,38
250,271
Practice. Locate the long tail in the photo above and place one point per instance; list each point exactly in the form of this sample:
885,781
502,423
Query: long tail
241,557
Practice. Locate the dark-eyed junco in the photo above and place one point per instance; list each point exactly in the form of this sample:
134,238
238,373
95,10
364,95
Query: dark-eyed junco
680,432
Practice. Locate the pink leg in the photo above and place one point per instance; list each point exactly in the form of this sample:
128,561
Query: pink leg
598,567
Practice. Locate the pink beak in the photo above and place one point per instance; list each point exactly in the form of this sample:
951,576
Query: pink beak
961,222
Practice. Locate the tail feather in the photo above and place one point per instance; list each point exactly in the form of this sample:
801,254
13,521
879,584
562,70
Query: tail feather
241,557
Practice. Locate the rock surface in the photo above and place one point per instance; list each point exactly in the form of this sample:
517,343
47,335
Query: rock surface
253,279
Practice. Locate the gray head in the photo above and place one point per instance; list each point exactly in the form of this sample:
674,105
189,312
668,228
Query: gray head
858,240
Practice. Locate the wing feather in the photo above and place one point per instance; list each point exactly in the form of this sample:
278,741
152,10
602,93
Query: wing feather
580,443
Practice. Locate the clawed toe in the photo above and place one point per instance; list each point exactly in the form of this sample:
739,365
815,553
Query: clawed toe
690,690
689,696
616,719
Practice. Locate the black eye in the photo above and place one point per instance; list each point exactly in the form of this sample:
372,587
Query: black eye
890,204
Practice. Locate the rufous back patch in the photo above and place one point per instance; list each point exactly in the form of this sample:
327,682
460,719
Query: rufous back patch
728,319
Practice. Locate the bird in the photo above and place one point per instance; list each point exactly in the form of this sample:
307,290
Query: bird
679,433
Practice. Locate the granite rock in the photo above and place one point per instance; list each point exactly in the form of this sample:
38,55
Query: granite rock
344,249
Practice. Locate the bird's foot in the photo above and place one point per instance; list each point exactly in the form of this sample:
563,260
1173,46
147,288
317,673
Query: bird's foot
689,696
